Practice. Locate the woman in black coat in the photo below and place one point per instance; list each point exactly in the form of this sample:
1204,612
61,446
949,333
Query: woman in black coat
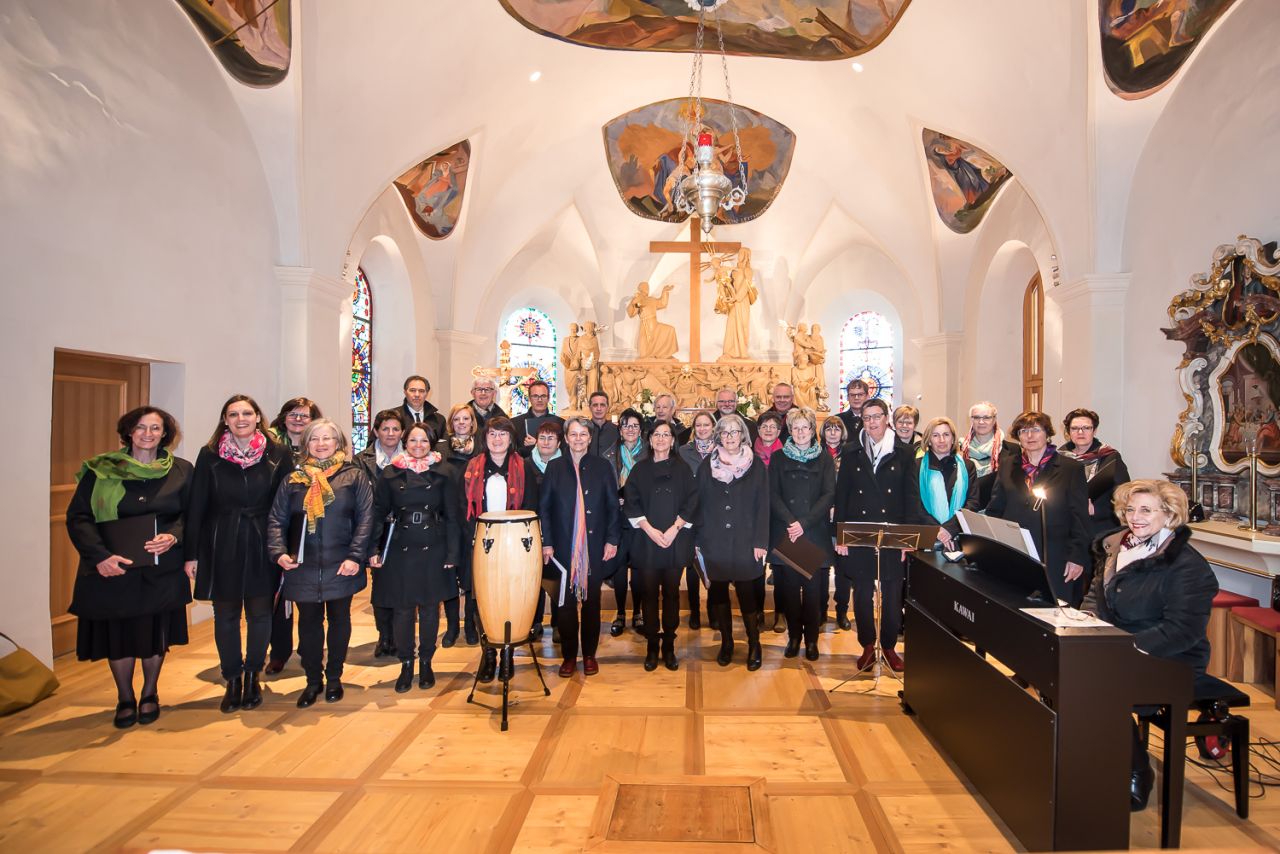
460,444
388,433
946,482
129,612
330,502
237,474
733,533
1066,503
1104,468
659,500
1149,580
417,494
802,490
592,477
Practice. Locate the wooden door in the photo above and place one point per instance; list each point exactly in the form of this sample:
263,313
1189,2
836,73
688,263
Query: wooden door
90,393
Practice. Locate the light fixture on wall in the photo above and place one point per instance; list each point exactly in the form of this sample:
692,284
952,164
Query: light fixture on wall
706,189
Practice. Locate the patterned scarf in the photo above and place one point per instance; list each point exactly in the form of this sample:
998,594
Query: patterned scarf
727,469
985,458
1033,470
463,444
792,451
315,474
766,452
933,487
1133,549
251,456
110,471
473,484
1097,451
704,446
629,458
419,464
579,563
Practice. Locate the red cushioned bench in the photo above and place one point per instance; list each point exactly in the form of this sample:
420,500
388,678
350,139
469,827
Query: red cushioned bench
1251,655
1219,630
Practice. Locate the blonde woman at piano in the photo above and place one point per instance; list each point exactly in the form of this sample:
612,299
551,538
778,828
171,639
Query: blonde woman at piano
1149,580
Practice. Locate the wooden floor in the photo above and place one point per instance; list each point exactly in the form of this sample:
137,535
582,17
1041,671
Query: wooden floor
380,771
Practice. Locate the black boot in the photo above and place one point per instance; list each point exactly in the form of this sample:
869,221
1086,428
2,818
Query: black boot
1140,783
488,664
231,699
695,619
507,663
753,640
426,676
793,647
724,619
669,659
651,656
405,680
252,697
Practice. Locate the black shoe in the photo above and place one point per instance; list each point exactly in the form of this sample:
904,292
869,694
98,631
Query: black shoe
793,648
619,623
310,694
488,664
779,624
724,620
124,721
450,637
473,636
536,632
252,697
231,699
555,635
811,650
405,680
149,716
843,622
651,657
1140,783
426,676
669,659
333,693
695,621
754,658
384,648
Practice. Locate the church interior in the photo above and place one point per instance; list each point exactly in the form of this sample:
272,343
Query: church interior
1027,203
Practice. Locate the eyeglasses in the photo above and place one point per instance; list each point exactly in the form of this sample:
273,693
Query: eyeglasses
299,416
487,388
1085,428
630,426
982,417
731,432
1031,431
876,417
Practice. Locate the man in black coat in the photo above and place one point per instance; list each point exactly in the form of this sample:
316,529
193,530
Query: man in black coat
604,433
527,424
783,400
484,401
857,391
727,404
664,409
875,484
417,408
602,518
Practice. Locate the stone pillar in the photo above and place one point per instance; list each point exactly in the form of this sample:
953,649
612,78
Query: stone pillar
1092,313
315,342
941,361
459,353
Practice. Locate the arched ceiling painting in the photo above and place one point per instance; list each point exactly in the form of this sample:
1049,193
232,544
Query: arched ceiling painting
251,38
642,148
964,179
1145,42
433,190
817,29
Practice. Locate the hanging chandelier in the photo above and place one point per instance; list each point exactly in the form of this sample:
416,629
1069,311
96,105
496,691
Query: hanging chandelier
707,189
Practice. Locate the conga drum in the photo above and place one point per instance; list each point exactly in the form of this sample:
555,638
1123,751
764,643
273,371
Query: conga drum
507,571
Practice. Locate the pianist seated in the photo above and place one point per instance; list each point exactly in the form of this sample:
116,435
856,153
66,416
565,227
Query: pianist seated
1149,580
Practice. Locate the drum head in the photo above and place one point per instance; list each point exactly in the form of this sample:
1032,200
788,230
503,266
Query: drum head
499,516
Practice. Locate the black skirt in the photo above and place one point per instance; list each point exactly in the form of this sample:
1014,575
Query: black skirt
131,637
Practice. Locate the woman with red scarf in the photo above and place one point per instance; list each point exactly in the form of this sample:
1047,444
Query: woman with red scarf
770,430
1104,469
498,479
237,474
1066,503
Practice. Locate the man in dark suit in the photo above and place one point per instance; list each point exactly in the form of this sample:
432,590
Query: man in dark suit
416,408
664,409
727,404
875,484
783,400
580,477
604,433
484,401
857,391
527,424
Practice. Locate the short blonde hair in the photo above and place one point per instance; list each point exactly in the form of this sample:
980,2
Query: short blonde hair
940,421
324,423
907,409
796,414
1172,499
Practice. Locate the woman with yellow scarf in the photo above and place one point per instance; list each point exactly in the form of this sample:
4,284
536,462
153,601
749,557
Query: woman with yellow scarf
319,533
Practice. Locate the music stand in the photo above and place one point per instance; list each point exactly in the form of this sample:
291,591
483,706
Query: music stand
881,536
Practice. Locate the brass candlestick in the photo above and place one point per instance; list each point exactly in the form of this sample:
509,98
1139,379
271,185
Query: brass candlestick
1251,449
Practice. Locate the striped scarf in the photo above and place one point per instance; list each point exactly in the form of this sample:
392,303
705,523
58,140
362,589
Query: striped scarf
579,564
315,474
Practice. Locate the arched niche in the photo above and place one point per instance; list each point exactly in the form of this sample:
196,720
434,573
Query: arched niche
997,338
395,340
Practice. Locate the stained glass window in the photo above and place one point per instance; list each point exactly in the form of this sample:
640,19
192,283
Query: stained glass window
533,345
361,361
866,353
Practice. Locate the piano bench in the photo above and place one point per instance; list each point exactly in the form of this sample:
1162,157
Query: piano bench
1251,647
1219,628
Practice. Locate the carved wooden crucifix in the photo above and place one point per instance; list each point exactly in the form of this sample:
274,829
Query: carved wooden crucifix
694,247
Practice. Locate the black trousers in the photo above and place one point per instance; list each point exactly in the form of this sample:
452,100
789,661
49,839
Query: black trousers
568,623
626,575
844,588
660,585
758,590
693,587
226,635
860,566
312,638
803,600
718,594
451,610
427,618
383,621
282,631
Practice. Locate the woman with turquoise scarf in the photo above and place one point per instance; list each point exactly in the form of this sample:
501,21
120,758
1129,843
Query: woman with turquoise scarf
948,482
129,612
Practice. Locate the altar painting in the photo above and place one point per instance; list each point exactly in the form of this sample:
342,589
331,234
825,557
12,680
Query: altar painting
964,179
433,190
1248,396
1145,42
251,38
643,149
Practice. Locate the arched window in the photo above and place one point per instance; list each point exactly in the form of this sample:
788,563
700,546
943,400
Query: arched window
866,353
361,361
1033,345
533,345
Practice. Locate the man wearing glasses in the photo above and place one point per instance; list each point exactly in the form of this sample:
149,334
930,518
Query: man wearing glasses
727,404
858,392
528,424
984,447
484,402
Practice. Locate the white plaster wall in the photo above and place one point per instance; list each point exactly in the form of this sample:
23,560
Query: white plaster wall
1208,173
136,223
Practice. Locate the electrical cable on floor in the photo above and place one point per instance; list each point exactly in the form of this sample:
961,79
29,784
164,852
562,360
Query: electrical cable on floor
1262,752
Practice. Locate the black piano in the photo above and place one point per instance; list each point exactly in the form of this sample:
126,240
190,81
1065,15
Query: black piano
1052,760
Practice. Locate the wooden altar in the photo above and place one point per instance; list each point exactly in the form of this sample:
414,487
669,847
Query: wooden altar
693,384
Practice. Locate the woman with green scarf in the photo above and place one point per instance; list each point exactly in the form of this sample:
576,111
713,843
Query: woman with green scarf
948,482
130,610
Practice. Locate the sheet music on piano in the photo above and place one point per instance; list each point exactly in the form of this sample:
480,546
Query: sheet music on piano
1066,618
1001,530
